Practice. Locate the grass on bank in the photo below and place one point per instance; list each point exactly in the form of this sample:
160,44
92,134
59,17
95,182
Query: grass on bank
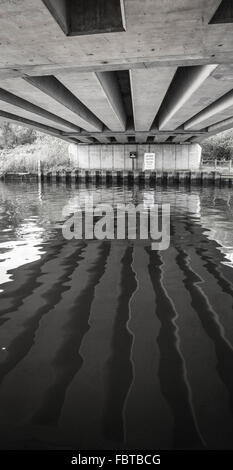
52,152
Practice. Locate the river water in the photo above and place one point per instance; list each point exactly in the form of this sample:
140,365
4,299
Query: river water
106,344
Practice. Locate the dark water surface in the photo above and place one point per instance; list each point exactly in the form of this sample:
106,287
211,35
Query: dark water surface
108,344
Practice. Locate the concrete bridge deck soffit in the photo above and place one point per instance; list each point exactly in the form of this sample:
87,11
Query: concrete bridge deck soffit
118,71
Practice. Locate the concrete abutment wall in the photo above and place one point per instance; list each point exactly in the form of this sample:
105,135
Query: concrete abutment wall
168,157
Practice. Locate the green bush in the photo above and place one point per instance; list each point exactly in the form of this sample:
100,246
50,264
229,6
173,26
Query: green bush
218,147
12,135
22,149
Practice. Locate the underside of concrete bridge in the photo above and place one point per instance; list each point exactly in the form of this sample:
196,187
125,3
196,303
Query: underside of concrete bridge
118,71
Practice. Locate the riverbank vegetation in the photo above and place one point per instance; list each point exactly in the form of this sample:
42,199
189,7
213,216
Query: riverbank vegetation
22,148
218,147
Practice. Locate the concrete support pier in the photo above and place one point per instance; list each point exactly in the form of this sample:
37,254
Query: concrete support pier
164,157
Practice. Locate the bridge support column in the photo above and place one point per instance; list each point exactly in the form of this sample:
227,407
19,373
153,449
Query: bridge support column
167,157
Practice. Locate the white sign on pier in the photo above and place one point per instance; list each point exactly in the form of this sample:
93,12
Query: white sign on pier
149,161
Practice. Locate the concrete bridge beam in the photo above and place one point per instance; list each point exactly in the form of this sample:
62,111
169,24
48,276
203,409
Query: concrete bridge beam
103,139
220,126
160,138
181,138
101,94
85,140
215,112
38,99
185,83
121,138
81,115
21,107
218,83
148,88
